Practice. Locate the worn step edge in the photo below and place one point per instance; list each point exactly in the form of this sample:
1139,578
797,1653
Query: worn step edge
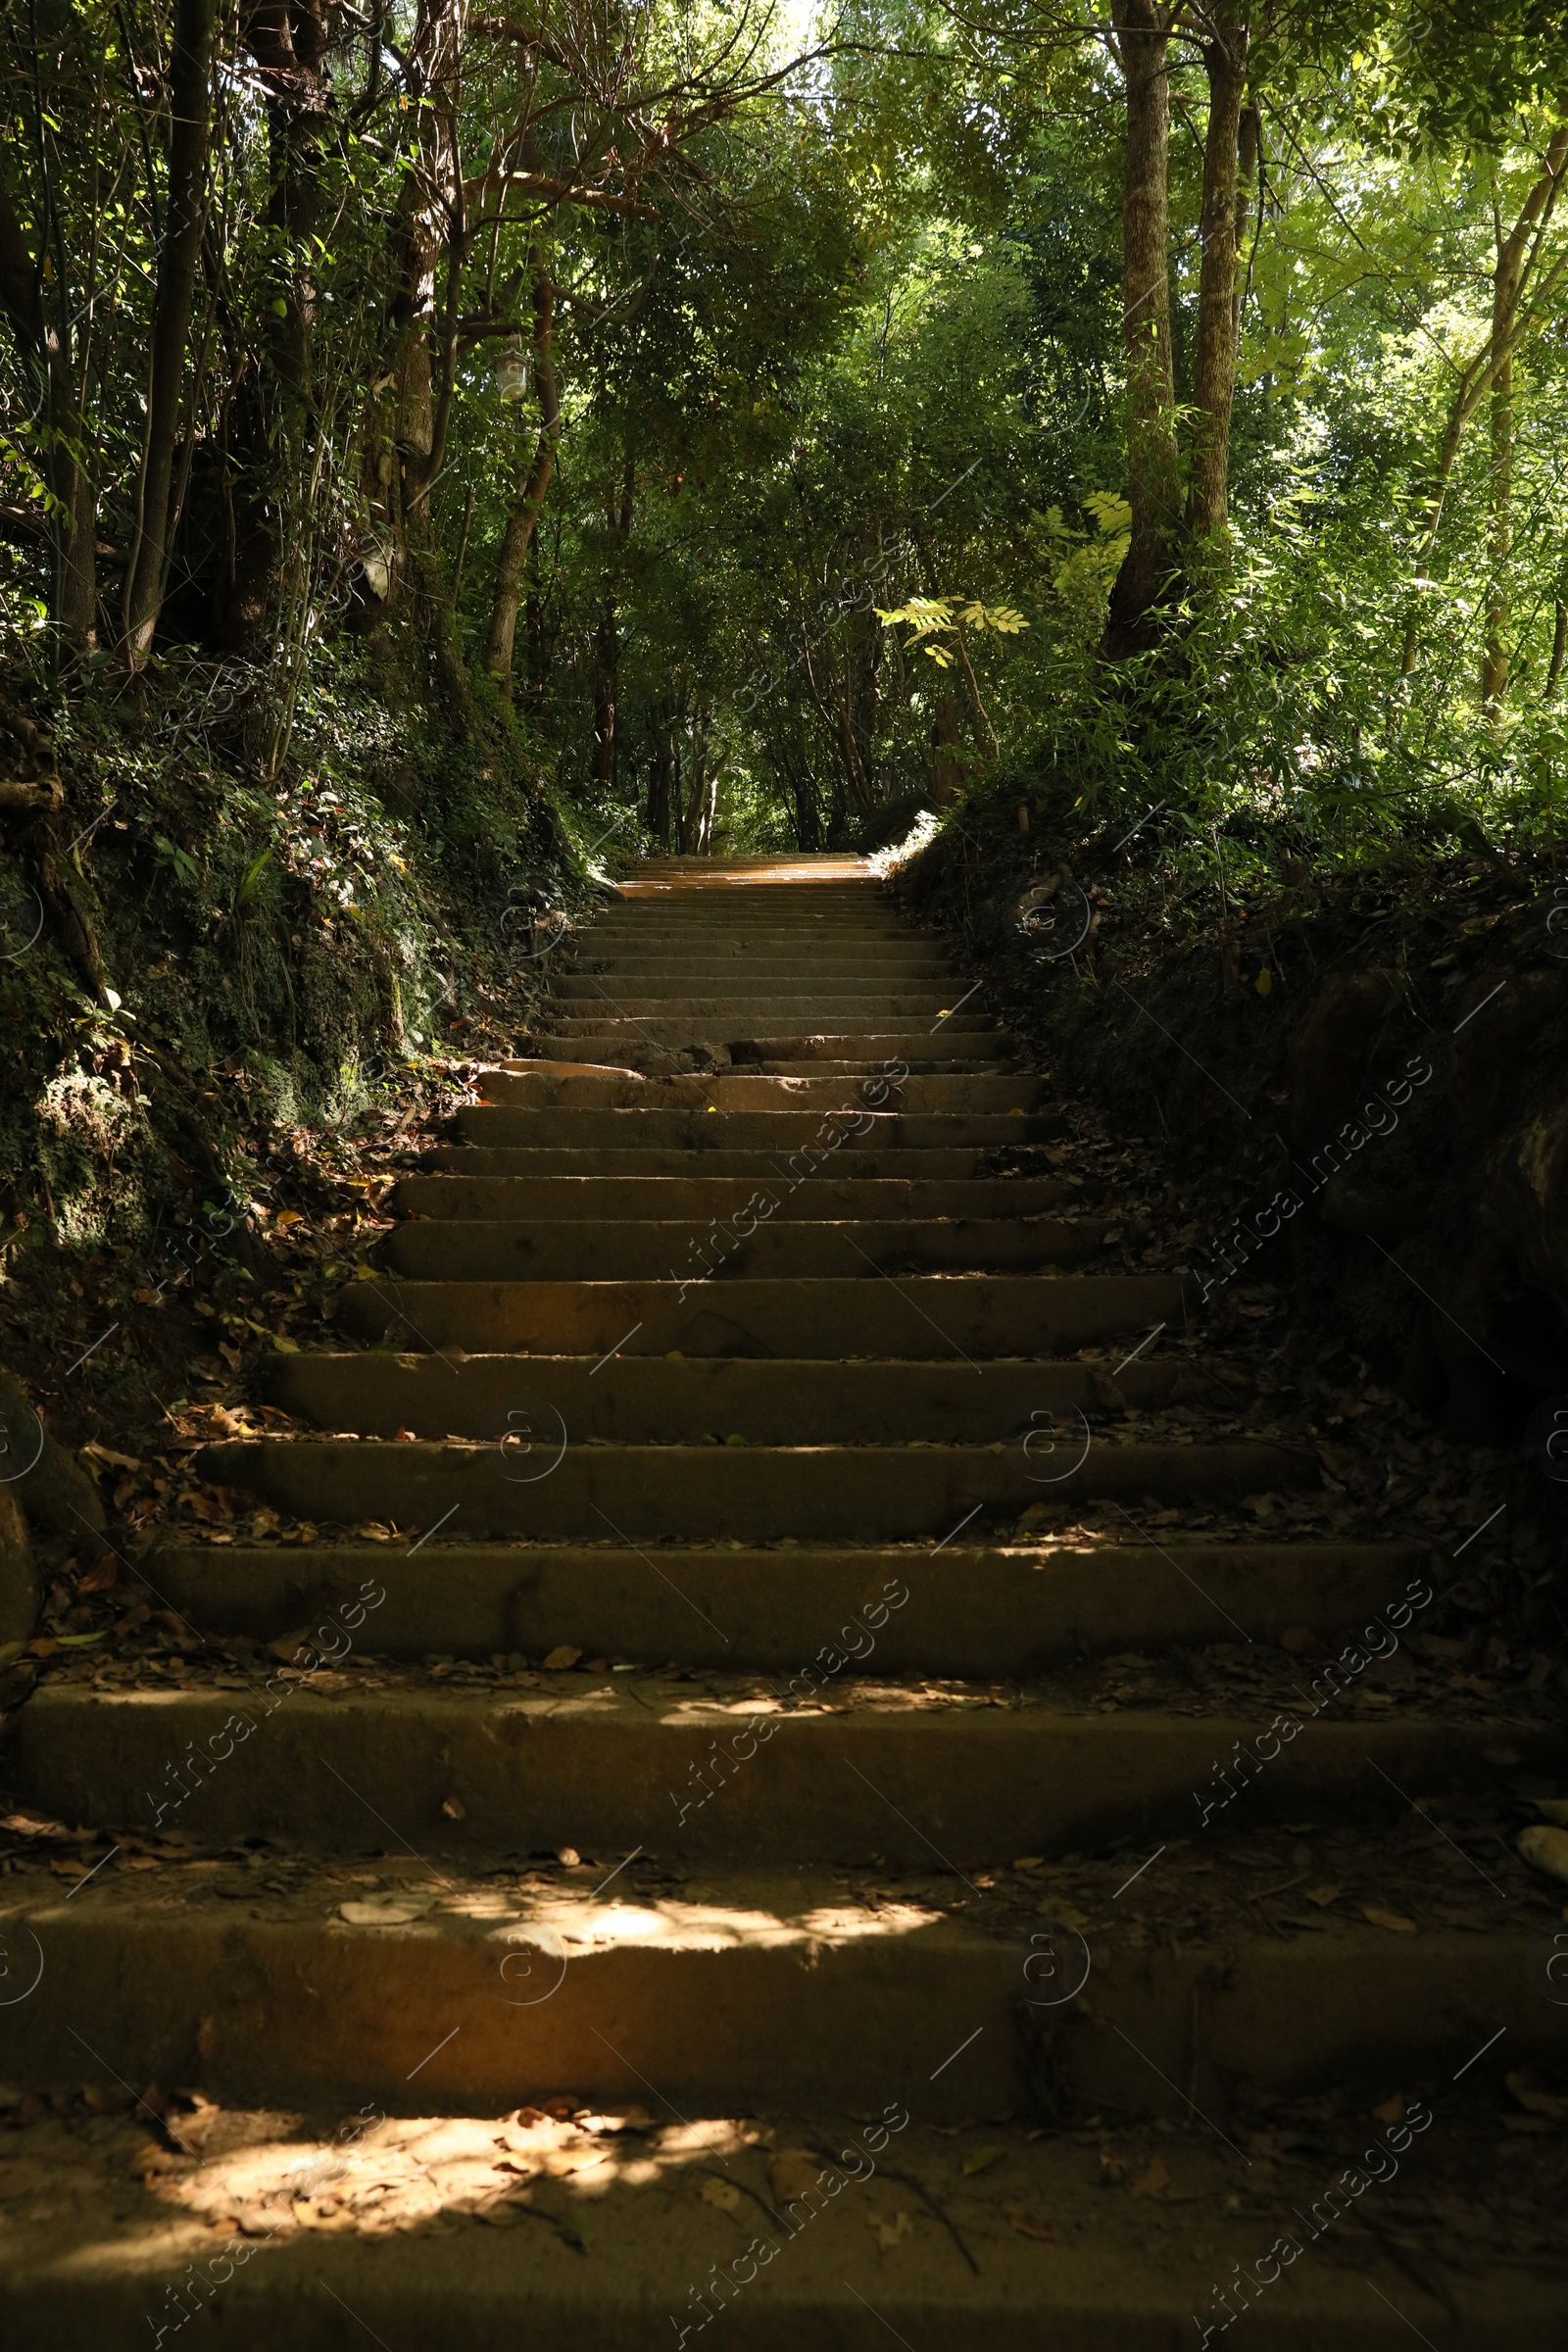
986,1614
612,1768
772,1994
535,1482
920,1317
762,1400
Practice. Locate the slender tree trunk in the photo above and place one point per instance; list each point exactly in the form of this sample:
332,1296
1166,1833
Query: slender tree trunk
617,517
701,800
1499,543
947,776
1517,255
1214,376
606,659
660,778
1248,161
1153,467
1559,647
523,518
41,321
428,207
190,91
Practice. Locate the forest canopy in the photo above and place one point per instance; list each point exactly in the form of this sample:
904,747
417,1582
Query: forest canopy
760,427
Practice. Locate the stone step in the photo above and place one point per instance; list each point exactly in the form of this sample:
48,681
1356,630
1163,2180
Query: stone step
743,990
567,1249
735,1014
437,2234
934,1316
621,1761
752,969
535,1083
1003,1612
846,1128
638,1198
651,1400
481,1990
883,1164
786,1031
536,1481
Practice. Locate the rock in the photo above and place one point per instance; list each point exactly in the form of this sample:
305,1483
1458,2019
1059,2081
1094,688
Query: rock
19,1584
55,1491
1331,1051
1546,1849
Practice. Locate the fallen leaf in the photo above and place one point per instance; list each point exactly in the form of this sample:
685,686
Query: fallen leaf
561,1658
1324,1896
101,1576
1541,1848
1152,2180
386,1911
1395,1921
1533,2098
980,2160
889,2229
1033,2225
722,2193
793,2172
115,1461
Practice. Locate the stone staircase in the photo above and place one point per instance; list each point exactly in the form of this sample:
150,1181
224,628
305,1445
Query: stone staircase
708,1767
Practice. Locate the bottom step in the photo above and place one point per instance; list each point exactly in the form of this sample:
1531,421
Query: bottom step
617,2233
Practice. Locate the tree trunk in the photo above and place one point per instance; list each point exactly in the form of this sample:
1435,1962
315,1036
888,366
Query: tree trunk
43,332
699,806
947,775
607,659
1214,376
1154,468
1499,543
660,776
524,516
1517,255
190,92
429,206
1559,643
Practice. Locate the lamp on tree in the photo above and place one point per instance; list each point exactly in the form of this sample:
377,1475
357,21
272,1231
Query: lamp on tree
512,369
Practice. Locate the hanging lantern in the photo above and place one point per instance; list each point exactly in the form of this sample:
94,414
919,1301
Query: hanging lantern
512,369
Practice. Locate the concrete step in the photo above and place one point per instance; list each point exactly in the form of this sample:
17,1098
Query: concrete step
417,2231
567,1249
670,1163
1007,1611
752,1090
615,1762
868,1033
727,965
651,1400
698,1199
535,1481
744,990
922,1316
783,1980
735,1014
846,1128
